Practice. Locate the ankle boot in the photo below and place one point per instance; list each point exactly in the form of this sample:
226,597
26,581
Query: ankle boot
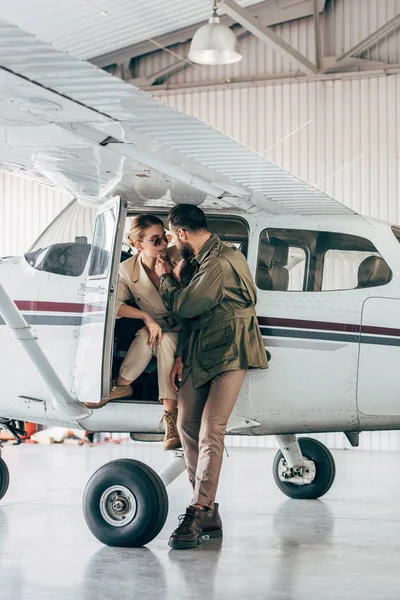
211,523
171,438
188,533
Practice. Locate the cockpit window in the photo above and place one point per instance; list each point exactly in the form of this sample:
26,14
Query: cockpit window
64,247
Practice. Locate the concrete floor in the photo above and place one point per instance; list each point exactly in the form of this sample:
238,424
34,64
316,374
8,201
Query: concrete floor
344,546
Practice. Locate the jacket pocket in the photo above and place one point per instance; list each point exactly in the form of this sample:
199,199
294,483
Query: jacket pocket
218,346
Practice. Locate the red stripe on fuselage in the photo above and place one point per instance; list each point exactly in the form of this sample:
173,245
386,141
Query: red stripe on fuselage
64,307
71,307
327,326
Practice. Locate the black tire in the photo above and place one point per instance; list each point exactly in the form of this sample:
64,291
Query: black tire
150,503
325,471
4,478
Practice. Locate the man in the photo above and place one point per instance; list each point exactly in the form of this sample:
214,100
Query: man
219,342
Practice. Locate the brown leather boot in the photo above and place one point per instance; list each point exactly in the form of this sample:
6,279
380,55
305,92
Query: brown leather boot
171,438
188,534
117,391
211,523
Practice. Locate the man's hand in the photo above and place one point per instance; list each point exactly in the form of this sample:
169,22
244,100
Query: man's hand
178,269
176,373
162,266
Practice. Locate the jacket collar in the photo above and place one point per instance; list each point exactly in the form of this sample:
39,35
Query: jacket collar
144,285
206,248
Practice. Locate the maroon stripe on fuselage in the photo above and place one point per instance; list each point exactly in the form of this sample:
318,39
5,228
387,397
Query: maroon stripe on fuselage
64,307
327,326
72,307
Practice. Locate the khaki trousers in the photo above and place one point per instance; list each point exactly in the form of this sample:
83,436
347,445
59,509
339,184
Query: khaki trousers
140,354
203,415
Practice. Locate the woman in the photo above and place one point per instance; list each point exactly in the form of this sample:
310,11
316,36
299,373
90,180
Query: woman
139,281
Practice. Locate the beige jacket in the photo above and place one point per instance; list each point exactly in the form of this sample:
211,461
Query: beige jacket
134,284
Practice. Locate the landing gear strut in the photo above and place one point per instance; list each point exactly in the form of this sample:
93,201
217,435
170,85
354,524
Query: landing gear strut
303,468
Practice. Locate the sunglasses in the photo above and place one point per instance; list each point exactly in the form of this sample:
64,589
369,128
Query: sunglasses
159,240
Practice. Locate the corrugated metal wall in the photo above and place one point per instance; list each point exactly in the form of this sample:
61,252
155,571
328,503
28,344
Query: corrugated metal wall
26,208
342,135
343,24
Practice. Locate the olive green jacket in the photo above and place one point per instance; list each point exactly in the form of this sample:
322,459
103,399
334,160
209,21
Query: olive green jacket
220,331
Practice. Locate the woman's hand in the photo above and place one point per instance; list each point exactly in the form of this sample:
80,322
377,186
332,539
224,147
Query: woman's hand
155,331
177,373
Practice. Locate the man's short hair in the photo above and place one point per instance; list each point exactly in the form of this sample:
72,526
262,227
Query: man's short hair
187,216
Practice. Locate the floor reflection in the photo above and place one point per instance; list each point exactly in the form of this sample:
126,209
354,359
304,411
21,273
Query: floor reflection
299,524
11,573
197,568
123,573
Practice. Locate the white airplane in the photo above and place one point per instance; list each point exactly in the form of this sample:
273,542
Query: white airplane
328,280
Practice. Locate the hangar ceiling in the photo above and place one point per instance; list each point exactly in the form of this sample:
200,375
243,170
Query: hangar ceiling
89,28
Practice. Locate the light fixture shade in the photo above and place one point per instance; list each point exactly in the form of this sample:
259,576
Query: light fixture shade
214,44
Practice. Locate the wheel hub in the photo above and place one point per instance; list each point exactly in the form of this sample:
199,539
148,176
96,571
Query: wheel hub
303,475
118,506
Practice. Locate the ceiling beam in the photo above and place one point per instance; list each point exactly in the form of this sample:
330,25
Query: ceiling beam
266,35
372,39
271,13
161,76
317,36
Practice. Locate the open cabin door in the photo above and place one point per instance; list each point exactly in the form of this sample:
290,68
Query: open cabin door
99,295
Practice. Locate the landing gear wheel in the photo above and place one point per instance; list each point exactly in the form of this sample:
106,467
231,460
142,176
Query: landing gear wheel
125,503
325,471
4,478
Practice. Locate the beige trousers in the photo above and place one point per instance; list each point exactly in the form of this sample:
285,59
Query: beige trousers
203,415
140,354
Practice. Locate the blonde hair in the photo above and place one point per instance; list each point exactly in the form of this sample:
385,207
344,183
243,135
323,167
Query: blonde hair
139,225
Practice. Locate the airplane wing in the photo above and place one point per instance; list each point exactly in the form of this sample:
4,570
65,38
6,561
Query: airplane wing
67,123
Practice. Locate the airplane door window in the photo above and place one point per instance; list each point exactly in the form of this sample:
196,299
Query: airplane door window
102,243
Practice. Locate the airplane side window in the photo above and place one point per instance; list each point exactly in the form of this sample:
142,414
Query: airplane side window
318,261
282,259
351,262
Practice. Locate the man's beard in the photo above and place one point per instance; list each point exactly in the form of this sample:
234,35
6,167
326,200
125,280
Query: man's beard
186,250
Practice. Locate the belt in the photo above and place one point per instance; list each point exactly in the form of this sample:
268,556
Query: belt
167,322
201,323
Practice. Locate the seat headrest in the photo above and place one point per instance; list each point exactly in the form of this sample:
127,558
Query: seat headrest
244,247
281,253
373,271
266,254
280,278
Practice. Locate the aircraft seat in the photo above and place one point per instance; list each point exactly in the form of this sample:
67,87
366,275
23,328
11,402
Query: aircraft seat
373,271
278,271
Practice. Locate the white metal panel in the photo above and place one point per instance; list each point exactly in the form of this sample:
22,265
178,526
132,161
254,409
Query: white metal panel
26,208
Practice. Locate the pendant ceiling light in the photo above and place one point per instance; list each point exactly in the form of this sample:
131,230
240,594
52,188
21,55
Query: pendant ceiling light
214,43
